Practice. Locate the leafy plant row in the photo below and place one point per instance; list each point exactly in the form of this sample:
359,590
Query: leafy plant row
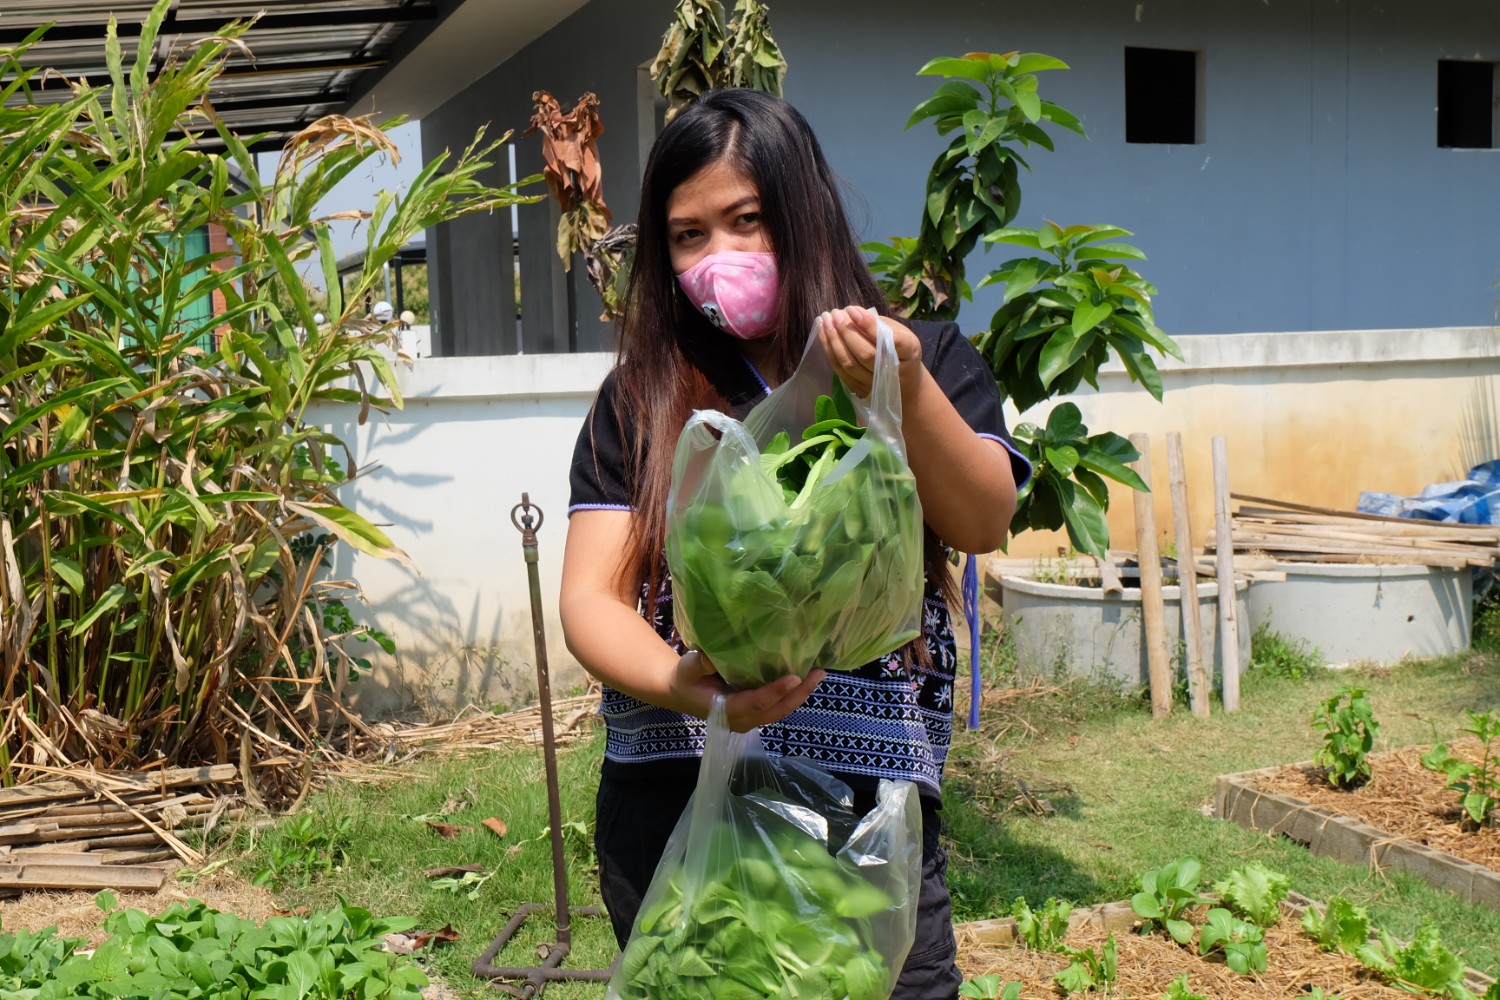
1239,910
192,951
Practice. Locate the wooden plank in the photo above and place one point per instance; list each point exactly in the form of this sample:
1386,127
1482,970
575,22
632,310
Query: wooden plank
87,877
53,856
1229,623
139,781
1109,574
1187,579
1357,515
1153,606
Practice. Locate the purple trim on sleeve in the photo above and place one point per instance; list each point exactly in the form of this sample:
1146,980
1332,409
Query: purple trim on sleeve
1014,454
598,506
756,372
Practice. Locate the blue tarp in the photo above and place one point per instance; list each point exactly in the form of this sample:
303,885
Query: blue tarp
1475,500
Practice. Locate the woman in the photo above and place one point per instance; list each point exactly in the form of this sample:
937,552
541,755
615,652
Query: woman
743,248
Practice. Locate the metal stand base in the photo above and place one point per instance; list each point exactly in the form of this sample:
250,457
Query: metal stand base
535,978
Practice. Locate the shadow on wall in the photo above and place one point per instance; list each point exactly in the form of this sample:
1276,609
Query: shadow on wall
1479,427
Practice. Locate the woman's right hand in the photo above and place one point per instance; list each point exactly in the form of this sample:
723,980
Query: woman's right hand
696,682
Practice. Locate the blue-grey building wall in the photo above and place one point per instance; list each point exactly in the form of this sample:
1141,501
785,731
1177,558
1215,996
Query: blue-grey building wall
1317,198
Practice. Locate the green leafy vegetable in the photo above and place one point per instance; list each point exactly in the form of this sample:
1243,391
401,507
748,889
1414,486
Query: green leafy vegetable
1042,929
192,951
1341,925
1178,989
1166,894
1255,893
778,566
775,915
1090,969
1424,966
1349,728
1242,943
1478,784
987,987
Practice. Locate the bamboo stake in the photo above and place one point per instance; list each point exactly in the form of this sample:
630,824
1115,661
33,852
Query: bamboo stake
1153,606
1229,619
1187,579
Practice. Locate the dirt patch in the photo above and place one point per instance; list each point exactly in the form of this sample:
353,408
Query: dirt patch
1403,799
75,914
1147,965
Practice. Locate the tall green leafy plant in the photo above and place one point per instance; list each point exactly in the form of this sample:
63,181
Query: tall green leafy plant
1068,308
153,598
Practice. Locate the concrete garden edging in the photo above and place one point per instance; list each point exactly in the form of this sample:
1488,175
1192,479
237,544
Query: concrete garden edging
1343,838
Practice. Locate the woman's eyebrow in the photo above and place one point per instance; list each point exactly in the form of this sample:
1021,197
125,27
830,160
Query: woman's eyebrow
686,220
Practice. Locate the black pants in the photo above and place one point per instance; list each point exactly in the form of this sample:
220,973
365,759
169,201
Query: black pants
635,818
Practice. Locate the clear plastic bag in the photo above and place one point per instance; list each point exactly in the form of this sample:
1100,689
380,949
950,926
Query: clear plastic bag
770,579
770,886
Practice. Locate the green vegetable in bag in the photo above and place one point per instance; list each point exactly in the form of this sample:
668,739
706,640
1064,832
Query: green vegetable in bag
782,566
776,916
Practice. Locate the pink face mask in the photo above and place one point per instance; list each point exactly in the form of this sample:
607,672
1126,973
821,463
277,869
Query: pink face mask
736,290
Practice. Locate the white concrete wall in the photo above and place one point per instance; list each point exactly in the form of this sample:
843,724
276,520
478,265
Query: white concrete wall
1313,417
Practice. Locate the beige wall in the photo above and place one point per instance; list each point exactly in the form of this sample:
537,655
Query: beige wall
1313,418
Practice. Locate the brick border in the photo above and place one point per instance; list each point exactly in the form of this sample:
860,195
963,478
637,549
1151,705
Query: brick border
1349,840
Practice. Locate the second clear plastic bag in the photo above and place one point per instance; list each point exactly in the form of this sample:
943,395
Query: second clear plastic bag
794,538
771,886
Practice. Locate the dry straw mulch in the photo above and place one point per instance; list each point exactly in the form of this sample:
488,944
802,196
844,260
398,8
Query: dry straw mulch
1147,965
1404,799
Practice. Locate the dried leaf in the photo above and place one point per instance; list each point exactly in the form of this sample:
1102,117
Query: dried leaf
495,826
447,829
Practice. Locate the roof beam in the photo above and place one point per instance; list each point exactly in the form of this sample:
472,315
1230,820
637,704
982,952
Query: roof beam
266,71
207,26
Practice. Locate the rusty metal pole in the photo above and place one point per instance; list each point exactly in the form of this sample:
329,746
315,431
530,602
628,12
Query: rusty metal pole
521,517
536,977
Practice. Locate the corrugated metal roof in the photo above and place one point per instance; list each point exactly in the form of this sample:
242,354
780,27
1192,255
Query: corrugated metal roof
308,54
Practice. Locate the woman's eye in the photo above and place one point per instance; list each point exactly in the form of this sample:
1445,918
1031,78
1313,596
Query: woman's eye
749,218
684,235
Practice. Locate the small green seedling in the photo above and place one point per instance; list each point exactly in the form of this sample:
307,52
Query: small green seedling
1090,969
1255,893
1242,943
1478,784
1178,989
1349,728
1042,929
1341,925
1166,894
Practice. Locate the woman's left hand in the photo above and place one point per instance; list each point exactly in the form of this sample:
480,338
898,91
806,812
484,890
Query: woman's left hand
848,338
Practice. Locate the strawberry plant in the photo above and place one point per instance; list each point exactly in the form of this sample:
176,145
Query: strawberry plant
1168,893
1341,925
1255,893
1349,728
1424,966
1042,929
1478,784
1241,942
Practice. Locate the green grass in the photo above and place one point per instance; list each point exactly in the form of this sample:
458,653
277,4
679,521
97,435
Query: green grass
388,852
1131,794
1128,795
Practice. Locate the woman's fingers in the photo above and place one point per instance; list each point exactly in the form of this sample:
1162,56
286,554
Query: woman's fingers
850,354
775,701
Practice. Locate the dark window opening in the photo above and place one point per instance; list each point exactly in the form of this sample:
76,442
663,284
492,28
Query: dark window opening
1466,104
1161,95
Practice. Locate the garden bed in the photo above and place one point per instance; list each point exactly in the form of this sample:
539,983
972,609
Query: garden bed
1402,818
1149,964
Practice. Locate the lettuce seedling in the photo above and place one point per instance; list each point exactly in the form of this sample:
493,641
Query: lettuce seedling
1242,943
1254,892
1341,925
1166,894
